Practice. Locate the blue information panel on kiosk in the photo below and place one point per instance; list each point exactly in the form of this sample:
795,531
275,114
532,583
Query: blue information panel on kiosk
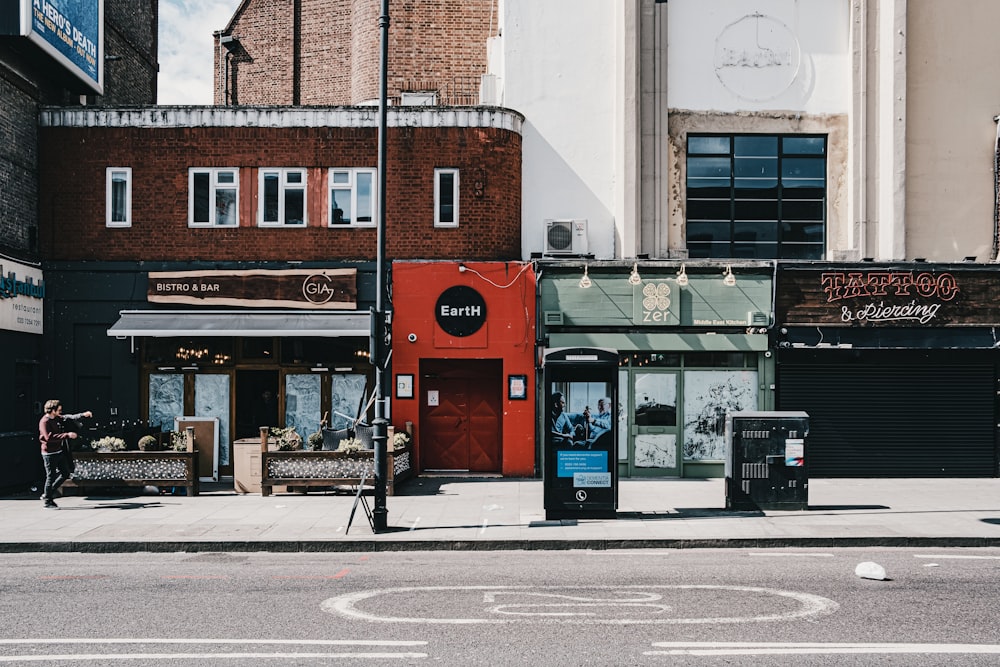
580,423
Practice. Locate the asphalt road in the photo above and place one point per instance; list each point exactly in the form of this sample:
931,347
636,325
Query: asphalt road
645,607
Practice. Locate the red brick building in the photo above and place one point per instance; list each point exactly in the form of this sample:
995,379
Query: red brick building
252,199
160,152
326,52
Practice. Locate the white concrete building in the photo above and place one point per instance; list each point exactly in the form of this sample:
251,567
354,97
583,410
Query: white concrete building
894,92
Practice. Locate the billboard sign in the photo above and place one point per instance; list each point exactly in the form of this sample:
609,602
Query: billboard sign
72,32
22,296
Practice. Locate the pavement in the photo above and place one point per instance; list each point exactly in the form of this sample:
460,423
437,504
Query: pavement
448,513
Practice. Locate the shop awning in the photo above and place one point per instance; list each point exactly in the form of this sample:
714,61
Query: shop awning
685,342
176,323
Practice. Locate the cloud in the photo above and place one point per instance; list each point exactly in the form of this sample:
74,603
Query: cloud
185,45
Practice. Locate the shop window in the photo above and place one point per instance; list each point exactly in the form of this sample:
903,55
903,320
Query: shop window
177,353
323,351
352,197
118,197
756,196
446,197
282,198
257,349
708,396
212,197
721,359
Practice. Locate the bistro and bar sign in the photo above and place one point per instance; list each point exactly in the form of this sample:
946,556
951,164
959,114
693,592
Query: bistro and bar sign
290,288
888,297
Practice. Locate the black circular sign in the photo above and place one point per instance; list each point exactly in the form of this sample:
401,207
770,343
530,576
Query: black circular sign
460,311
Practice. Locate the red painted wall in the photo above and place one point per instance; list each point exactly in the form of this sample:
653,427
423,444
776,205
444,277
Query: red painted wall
509,291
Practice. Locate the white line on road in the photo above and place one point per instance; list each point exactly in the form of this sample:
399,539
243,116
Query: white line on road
71,657
160,640
783,554
955,557
483,529
778,648
103,657
348,604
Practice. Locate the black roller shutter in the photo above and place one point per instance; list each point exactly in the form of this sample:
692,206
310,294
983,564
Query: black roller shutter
890,416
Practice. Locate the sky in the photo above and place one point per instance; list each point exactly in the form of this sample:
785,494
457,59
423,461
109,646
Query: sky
185,41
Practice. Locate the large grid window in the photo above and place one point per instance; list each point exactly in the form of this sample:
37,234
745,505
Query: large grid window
756,196
282,198
212,197
352,197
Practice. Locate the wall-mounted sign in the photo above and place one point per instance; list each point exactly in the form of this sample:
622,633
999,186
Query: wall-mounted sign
757,57
460,311
888,297
22,295
72,33
655,303
290,288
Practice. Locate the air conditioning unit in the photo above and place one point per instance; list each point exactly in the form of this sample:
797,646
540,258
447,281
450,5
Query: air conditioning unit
565,237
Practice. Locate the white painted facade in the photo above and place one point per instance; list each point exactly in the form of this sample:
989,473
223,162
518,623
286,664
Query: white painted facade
610,90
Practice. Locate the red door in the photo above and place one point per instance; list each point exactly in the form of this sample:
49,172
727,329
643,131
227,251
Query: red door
460,427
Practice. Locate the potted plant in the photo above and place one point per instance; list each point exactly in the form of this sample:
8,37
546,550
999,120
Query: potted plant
109,443
178,441
148,443
286,439
400,440
350,445
315,440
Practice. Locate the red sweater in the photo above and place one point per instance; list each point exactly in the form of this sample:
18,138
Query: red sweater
52,430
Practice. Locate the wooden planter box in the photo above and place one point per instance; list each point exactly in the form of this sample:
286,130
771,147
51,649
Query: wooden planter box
311,469
132,468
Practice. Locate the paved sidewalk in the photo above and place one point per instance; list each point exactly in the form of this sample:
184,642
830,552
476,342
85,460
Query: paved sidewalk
493,514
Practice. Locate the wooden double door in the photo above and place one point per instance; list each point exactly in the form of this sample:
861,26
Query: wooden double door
460,415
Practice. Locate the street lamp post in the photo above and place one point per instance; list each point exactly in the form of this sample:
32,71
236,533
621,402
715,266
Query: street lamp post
381,325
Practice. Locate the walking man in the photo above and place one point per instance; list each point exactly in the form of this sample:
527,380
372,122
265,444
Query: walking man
54,433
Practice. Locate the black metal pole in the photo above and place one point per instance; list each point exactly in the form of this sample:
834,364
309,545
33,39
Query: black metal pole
380,512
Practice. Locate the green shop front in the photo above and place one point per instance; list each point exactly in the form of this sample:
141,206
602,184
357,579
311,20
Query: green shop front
692,344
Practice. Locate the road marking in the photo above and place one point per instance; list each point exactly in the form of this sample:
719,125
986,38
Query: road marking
955,557
193,576
346,605
415,522
192,641
483,529
103,657
630,552
99,657
779,648
791,555
566,603
340,575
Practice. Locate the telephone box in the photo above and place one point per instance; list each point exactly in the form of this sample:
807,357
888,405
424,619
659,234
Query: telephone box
579,433
766,461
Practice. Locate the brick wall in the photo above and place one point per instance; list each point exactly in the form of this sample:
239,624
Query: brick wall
130,43
72,192
18,168
435,45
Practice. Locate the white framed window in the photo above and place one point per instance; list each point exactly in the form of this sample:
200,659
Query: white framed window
352,197
446,197
213,197
282,198
118,197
